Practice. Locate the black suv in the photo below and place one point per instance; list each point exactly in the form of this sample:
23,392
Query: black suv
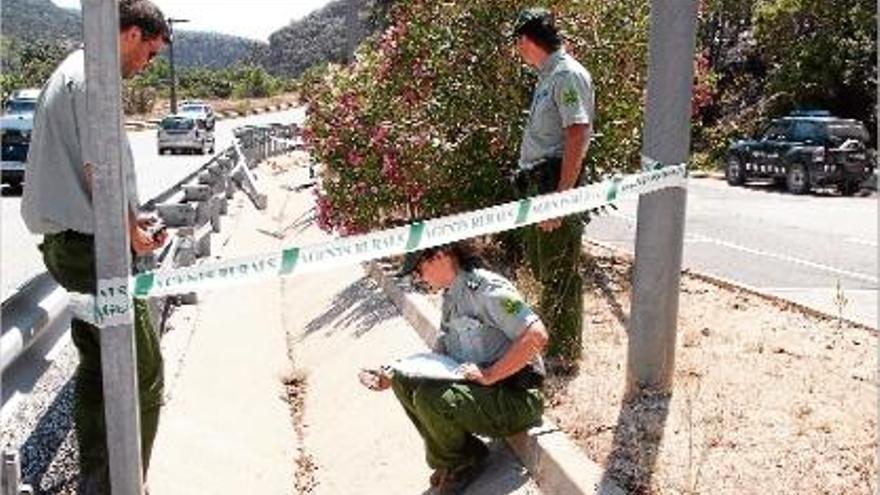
804,150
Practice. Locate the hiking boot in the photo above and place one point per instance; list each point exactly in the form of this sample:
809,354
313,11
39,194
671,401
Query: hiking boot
453,481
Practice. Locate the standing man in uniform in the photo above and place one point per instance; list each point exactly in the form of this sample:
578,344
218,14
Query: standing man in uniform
553,148
57,203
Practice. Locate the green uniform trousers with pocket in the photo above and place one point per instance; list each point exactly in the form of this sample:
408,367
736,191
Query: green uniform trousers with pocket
69,257
447,415
554,258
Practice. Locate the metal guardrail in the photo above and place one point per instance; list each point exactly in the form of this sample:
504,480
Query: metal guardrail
192,206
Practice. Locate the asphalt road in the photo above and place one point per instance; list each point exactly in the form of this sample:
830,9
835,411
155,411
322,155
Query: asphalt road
796,247
19,258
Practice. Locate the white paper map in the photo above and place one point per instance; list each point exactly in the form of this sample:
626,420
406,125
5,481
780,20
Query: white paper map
428,365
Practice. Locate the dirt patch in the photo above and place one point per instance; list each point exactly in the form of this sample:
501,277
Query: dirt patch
766,399
295,386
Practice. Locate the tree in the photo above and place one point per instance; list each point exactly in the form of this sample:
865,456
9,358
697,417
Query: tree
821,54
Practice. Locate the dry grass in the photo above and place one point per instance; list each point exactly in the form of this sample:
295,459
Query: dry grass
765,399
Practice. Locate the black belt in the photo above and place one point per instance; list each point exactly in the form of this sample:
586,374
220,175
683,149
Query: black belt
527,377
544,175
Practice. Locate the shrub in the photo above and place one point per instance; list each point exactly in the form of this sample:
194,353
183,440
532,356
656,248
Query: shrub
428,119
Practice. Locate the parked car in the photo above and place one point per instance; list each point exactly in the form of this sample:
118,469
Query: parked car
804,150
199,110
184,133
16,125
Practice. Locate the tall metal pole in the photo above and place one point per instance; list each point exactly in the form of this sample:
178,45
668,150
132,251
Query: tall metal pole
661,215
171,22
173,75
103,147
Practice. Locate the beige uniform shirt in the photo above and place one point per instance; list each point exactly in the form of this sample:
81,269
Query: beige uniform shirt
57,195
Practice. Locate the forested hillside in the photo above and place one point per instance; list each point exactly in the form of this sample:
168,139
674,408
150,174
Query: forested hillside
39,26
327,35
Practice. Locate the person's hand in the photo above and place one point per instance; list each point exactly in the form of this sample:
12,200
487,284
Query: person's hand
376,380
142,242
153,226
550,225
472,372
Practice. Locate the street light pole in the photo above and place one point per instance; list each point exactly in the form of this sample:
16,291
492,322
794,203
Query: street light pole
171,22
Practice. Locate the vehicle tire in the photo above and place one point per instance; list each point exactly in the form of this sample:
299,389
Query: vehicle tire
736,174
15,187
797,179
848,187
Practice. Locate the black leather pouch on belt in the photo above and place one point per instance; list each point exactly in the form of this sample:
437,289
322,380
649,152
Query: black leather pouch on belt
528,377
544,176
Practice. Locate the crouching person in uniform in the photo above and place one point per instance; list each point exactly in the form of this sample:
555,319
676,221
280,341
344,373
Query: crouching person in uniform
487,326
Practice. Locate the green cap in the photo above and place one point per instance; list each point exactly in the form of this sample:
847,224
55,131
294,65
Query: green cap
529,16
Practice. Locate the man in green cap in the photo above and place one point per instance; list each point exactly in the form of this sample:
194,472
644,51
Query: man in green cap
552,152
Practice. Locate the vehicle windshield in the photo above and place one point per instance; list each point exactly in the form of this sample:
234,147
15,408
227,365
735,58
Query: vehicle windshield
176,124
193,109
848,130
21,106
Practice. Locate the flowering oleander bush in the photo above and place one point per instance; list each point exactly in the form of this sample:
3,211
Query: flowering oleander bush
427,121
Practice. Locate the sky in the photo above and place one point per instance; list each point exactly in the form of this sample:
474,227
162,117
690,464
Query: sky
255,19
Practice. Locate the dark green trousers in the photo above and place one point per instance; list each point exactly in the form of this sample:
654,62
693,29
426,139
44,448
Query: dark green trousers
70,259
554,259
447,415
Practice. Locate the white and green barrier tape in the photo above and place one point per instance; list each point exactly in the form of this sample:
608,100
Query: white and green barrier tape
109,308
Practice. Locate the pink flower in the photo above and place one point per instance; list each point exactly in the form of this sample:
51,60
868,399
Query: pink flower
355,159
379,134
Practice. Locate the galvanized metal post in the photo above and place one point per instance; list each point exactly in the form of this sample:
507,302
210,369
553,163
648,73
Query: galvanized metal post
104,148
661,215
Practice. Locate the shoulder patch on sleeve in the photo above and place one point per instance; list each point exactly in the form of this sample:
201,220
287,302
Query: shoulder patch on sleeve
512,306
570,97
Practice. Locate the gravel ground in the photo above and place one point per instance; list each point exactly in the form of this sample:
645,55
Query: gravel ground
41,429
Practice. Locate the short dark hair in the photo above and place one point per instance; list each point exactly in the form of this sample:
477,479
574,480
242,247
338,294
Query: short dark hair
539,25
145,15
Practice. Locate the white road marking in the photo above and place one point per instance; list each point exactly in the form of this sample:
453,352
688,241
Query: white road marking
701,238
790,259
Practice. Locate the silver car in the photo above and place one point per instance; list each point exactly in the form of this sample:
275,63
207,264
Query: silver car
199,110
184,133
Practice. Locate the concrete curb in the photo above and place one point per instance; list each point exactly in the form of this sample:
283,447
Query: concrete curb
552,458
729,284
703,174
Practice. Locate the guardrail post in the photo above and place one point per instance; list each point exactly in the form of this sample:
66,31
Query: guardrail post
11,475
661,215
